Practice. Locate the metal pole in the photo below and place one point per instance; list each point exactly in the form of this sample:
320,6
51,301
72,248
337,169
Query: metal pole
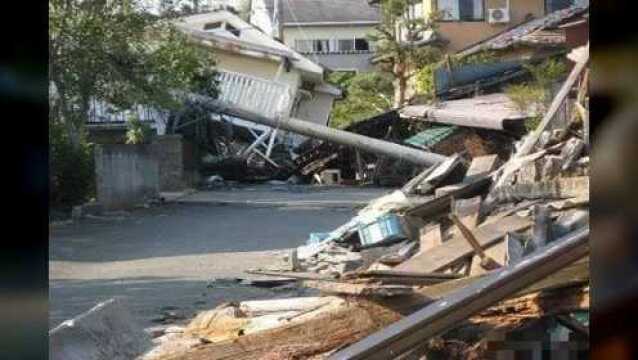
448,312
307,128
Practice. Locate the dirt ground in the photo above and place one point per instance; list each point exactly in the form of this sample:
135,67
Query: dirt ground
170,261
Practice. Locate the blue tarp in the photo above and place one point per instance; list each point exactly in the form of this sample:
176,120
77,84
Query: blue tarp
469,74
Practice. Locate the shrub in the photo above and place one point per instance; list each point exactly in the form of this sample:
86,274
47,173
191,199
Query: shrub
71,170
138,132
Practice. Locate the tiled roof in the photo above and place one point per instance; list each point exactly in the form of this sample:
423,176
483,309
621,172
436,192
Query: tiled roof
325,11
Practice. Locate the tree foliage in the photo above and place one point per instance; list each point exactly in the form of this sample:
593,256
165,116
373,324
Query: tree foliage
396,39
535,96
112,51
366,95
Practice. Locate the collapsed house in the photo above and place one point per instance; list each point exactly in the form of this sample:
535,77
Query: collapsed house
461,262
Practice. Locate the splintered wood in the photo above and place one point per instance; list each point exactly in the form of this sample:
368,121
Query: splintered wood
451,251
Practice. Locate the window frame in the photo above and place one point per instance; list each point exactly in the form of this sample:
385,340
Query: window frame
459,20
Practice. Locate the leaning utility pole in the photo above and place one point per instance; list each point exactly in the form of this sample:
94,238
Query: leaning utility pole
365,143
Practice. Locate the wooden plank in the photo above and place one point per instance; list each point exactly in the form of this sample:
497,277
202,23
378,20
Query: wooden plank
263,307
300,339
372,290
292,275
563,188
441,204
353,320
453,250
468,210
429,238
480,166
445,314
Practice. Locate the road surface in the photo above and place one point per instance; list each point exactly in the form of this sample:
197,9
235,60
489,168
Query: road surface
180,257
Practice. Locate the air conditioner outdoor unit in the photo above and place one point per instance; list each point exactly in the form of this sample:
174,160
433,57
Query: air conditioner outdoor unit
498,16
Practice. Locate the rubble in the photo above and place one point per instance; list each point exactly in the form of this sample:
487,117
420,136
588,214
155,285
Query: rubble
473,249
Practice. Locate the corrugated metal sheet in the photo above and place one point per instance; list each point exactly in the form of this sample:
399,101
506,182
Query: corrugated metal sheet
431,136
445,79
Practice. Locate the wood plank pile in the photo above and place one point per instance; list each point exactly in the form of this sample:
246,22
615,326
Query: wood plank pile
501,251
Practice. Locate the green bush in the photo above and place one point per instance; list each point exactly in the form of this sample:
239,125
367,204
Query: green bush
366,95
137,132
425,81
71,170
535,96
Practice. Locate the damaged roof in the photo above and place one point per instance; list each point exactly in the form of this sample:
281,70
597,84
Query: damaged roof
494,111
316,12
533,32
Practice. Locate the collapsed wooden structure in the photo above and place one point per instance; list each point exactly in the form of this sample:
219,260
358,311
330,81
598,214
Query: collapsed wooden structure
501,250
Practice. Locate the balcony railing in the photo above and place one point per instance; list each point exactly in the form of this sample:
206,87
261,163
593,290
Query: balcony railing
269,98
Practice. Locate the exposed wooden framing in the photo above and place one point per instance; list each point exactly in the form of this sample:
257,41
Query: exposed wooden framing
322,331
441,204
446,313
556,104
542,230
487,262
429,238
457,248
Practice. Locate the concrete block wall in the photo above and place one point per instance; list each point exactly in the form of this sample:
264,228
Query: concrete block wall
126,175
169,152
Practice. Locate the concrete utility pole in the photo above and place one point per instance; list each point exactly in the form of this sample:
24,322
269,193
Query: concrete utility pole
321,132
277,21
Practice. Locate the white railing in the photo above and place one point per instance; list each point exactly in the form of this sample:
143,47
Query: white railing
269,98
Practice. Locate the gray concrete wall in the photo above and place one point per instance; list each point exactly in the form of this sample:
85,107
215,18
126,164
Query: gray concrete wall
126,175
169,152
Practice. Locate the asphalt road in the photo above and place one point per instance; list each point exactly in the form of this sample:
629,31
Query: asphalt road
179,257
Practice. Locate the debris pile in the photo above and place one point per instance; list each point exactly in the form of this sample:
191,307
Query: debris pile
466,255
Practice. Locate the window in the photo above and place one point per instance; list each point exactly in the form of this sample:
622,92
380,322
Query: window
415,11
461,10
303,46
361,45
212,26
327,46
555,5
346,45
233,30
321,46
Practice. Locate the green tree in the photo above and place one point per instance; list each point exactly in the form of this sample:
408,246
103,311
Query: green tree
113,51
396,40
535,96
366,95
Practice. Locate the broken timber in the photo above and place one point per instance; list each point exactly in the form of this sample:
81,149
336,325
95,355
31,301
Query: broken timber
307,128
444,314
457,248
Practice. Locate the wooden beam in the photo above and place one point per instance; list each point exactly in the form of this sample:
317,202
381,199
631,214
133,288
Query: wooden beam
446,313
326,330
457,248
